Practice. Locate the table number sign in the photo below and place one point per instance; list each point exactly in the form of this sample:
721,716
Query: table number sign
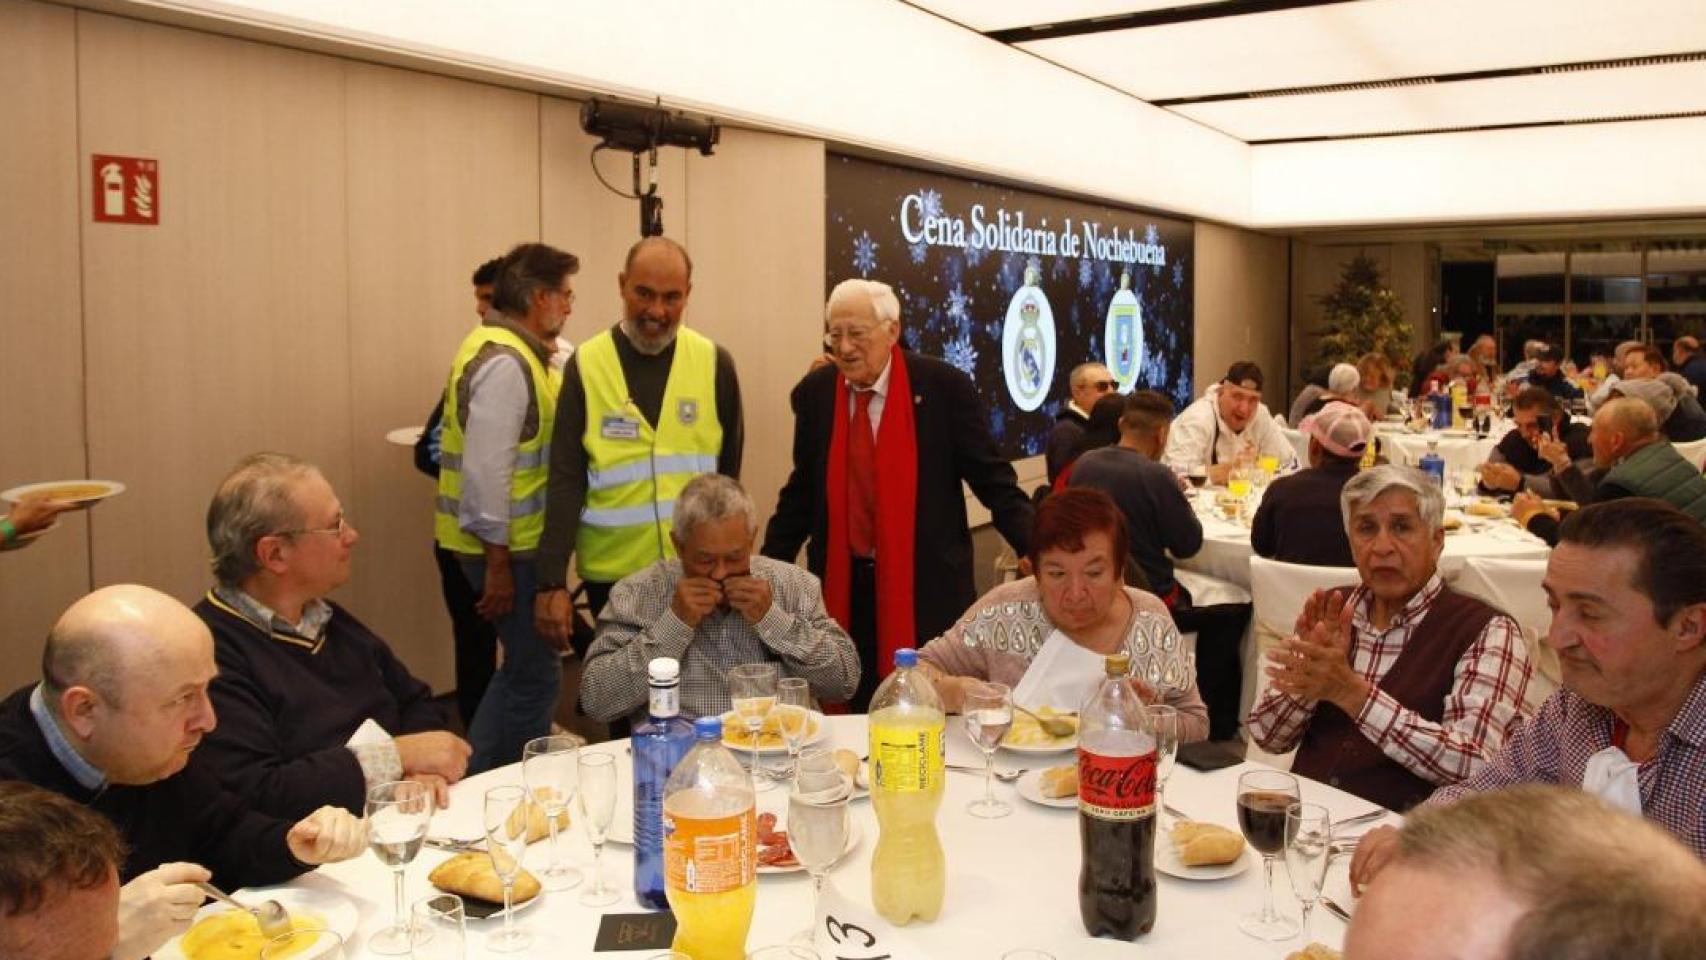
844,930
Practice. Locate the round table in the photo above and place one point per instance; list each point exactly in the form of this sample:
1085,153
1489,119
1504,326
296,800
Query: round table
1011,882
1461,449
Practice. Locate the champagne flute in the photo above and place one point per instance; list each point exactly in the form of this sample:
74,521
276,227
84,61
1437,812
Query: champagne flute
439,927
397,817
1308,838
598,805
793,715
1263,798
1164,725
327,944
988,714
550,766
752,692
817,832
506,851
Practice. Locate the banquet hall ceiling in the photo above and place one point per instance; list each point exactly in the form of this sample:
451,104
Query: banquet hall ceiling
1286,71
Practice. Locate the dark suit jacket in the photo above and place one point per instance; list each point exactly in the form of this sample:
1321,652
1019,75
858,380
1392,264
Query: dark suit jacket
953,445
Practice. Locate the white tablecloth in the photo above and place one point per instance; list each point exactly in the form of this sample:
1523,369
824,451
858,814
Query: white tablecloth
1011,882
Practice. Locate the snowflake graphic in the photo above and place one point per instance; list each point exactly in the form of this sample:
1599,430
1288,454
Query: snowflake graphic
958,304
1084,272
1059,269
962,354
1178,273
932,203
917,251
974,250
1151,235
997,421
864,254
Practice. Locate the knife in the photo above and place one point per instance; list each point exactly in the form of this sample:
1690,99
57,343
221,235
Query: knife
455,846
1336,910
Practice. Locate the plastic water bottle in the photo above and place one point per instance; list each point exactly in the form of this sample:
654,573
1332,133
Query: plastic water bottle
1433,464
710,848
908,868
660,741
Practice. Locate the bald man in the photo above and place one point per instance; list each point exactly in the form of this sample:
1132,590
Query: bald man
122,703
1690,362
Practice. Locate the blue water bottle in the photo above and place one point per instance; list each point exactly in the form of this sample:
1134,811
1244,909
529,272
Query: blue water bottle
660,741
1433,464
1442,410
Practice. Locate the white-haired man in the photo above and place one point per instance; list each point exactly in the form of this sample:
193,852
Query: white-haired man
892,546
1401,684
713,607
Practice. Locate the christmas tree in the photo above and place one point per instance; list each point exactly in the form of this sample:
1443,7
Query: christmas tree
1364,316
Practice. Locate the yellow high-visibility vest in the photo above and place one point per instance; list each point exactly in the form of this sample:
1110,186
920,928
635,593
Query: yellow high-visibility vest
533,451
636,471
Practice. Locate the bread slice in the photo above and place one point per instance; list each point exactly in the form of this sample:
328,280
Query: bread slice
1059,782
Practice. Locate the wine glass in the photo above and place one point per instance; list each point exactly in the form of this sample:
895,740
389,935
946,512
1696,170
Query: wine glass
1263,798
397,817
1465,480
438,924
1164,724
988,714
598,805
1267,465
793,715
1308,837
1238,488
327,944
817,830
506,852
550,766
752,692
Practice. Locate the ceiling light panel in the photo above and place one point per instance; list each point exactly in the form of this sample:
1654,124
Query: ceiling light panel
1543,98
986,15
1374,40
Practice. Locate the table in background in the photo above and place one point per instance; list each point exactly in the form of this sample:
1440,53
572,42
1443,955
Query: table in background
1461,450
1011,882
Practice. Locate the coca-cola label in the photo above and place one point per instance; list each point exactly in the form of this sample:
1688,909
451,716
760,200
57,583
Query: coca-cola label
1116,788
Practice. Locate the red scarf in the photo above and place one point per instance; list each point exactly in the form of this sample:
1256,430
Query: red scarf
897,515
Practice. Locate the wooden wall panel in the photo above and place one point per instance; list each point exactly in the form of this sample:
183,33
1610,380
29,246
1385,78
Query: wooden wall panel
41,335
756,227
1241,308
223,330
443,175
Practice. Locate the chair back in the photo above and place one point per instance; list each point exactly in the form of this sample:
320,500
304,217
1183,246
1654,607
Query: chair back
1514,587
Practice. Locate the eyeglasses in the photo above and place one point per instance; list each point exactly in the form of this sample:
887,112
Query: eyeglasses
570,294
857,336
338,530
1105,385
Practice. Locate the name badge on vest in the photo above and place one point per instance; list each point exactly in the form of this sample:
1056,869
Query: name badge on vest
687,410
615,426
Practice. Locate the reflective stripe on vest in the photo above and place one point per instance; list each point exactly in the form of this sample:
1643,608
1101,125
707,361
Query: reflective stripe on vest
632,482
533,449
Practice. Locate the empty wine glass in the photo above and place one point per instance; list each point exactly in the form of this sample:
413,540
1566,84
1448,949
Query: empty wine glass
326,944
817,831
438,924
752,693
551,768
1164,725
1263,798
1308,837
988,714
793,716
598,805
506,851
398,814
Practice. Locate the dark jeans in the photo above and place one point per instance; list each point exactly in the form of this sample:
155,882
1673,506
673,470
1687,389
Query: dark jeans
522,697
475,638
1220,662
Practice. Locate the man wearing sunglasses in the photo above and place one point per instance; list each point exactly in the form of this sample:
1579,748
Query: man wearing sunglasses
1089,382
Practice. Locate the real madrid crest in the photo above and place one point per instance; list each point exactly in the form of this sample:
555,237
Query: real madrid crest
1124,335
687,410
1027,342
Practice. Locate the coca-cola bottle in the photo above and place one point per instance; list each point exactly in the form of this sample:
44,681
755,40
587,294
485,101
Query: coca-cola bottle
1116,808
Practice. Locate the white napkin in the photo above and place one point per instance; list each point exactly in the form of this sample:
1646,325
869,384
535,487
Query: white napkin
368,734
1062,675
1614,778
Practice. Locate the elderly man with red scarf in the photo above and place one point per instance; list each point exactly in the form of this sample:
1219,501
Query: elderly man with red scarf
890,542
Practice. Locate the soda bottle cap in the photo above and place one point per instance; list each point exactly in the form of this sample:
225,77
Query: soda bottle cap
708,728
664,670
906,657
1117,664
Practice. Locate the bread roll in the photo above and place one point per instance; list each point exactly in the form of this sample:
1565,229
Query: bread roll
1205,844
471,875
538,825
850,766
1315,951
1481,508
1059,782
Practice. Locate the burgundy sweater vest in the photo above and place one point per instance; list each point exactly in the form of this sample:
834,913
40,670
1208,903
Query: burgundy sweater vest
1336,752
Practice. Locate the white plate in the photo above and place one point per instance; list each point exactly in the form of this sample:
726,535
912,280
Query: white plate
112,488
404,436
737,739
336,910
1167,861
1059,746
852,842
1030,787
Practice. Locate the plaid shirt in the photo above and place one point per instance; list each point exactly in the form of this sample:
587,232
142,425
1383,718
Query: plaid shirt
1555,745
638,625
1482,708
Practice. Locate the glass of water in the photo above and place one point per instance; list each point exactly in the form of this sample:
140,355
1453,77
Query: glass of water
397,817
438,924
988,714
817,831
598,806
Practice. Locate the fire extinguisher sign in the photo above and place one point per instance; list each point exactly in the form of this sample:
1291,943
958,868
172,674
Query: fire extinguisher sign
127,189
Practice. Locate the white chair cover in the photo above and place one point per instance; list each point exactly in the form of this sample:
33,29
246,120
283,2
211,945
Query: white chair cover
1278,591
1694,451
1514,587
1300,443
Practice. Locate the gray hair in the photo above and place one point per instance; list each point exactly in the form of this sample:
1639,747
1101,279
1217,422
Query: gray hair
885,306
1368,485
708,498
1532,349
254,501
1081,372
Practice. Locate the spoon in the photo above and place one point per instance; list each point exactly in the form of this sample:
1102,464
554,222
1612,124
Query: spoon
1053,726
270,915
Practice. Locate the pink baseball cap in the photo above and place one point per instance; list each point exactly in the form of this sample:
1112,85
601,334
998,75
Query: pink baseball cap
1341,428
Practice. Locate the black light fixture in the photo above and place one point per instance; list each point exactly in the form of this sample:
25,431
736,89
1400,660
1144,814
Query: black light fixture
641,129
